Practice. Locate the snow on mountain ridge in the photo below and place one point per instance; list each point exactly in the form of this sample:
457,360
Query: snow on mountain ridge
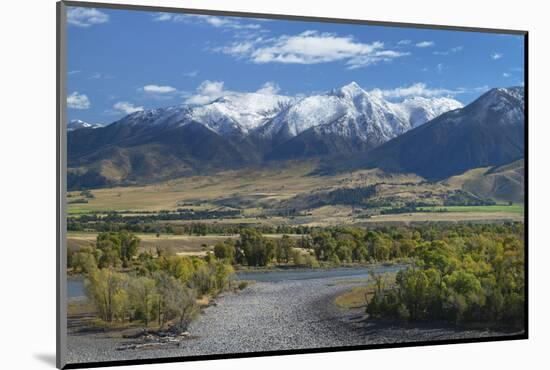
239,111
348,111
502,103
77,124
232,113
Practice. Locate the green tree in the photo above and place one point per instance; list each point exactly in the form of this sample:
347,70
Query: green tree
142,296
107,290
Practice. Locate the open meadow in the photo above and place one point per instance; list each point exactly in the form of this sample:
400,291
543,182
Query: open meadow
293,195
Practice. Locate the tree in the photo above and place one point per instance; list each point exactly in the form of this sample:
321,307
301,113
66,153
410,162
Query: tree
142,296
285,246
183,303
83,261
324,246
106,289
225,251
253,249
129,244
297,258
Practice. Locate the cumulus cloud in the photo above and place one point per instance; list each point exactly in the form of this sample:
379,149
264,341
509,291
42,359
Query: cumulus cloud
404,42
505,74
158,89
496,56
209,91
215,21
78,101
269,88
126,107
424,44
86,17
311,47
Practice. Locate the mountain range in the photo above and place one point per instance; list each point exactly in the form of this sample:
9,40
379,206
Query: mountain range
488,132
348,127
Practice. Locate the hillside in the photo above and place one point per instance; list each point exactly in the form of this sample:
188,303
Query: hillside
501,183
241,130
487,132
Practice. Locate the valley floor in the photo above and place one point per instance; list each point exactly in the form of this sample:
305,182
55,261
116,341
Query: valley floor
272,316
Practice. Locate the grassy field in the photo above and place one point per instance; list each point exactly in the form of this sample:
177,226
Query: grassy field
419,217
258,194
515,208
255,189
355,298
179,244
358,297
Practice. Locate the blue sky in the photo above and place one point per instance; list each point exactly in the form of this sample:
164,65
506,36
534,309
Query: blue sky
121,61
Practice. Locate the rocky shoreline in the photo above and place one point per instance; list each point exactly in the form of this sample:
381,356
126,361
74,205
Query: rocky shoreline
270,316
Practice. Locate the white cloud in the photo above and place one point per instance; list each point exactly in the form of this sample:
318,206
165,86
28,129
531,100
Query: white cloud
191,74
506,75
456,49
440,67
269,88
404,42
209,91
496,56
219,22
100,76
78,101
126,107
421,89
311,47
424,44
157,89
86,17
417,89
73,72
163,17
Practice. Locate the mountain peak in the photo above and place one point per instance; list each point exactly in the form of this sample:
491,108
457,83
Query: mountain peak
351,89
501,99
77,124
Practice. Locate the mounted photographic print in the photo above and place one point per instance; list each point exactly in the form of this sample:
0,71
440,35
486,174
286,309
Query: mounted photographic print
234,184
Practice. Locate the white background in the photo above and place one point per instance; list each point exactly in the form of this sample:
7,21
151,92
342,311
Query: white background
27,132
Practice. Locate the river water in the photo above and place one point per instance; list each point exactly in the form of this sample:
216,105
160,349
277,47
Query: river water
75,287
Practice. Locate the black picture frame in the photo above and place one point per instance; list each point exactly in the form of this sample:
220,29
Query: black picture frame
61,187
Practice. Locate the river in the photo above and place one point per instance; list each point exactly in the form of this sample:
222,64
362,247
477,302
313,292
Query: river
75,286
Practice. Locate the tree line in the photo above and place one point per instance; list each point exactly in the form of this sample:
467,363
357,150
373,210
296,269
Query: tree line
471,274
97,224
460,273
126,287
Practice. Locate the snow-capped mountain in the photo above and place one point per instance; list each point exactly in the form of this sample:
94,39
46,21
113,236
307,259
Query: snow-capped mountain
419,110
502,106
487,132
77,124
352,112
234,113
249,129
348,111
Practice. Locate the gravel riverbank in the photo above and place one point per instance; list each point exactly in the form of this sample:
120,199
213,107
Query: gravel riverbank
269,316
